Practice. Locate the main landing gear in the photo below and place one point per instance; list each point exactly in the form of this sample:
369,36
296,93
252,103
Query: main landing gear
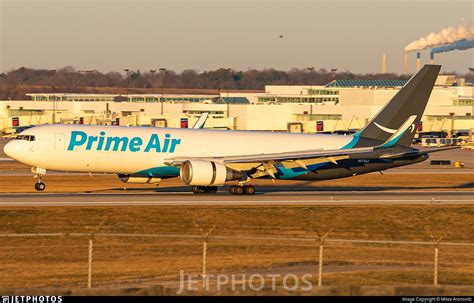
204,189
242,190
233,189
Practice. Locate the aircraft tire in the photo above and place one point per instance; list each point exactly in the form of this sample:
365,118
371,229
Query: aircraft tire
40,186
249,190
239,190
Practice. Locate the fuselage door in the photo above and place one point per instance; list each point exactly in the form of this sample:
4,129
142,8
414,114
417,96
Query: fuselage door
59,143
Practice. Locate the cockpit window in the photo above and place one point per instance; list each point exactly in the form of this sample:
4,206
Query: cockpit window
25,137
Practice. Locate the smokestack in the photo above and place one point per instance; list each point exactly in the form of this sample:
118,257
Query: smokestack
418,61
431,58
384,62
405,63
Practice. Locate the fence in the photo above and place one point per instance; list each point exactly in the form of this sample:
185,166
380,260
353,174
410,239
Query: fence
52,259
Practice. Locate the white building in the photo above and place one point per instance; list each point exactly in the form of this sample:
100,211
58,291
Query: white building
340,105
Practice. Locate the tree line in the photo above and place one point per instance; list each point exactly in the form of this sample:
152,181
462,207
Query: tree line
223,78
16,83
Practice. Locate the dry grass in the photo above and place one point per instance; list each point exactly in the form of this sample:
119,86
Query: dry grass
62,261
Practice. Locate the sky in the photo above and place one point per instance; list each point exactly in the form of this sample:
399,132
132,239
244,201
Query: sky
113,35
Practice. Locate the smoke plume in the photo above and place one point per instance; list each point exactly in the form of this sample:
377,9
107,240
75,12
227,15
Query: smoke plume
448,35
460,45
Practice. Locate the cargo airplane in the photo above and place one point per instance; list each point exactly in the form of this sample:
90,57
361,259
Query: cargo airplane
206,159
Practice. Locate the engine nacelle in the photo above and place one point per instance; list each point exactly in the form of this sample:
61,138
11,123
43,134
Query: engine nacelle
139,179
206,173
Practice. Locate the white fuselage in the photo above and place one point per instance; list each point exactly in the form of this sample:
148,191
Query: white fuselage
129,150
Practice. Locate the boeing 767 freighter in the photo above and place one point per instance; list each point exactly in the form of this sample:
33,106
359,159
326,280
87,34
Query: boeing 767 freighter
206,159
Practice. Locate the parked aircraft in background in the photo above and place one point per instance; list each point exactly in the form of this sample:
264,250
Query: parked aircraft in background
201,121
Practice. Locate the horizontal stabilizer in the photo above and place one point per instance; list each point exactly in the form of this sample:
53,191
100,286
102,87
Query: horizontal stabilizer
419,152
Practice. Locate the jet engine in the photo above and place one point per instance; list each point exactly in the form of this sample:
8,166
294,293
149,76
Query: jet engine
207,173
138,179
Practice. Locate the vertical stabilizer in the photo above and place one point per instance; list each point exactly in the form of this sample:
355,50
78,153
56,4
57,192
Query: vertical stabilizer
398,120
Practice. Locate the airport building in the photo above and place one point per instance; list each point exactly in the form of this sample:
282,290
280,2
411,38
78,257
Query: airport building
339,105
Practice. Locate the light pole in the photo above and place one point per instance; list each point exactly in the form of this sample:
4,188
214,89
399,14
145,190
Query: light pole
311,71
152,72
162,72
127,73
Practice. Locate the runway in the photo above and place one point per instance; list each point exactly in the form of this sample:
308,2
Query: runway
223,199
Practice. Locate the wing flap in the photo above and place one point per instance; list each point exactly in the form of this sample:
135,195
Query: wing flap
304,163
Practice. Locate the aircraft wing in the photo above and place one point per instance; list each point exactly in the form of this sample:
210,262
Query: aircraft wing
275,157
311,155
264,164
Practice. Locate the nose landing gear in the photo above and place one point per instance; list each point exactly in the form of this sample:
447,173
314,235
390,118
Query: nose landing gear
39,172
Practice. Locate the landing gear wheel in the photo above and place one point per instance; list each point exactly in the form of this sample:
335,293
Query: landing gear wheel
239,190
40,186
242,190
249,189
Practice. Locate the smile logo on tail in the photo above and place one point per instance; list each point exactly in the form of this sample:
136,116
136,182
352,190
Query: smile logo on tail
385,129
405,126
